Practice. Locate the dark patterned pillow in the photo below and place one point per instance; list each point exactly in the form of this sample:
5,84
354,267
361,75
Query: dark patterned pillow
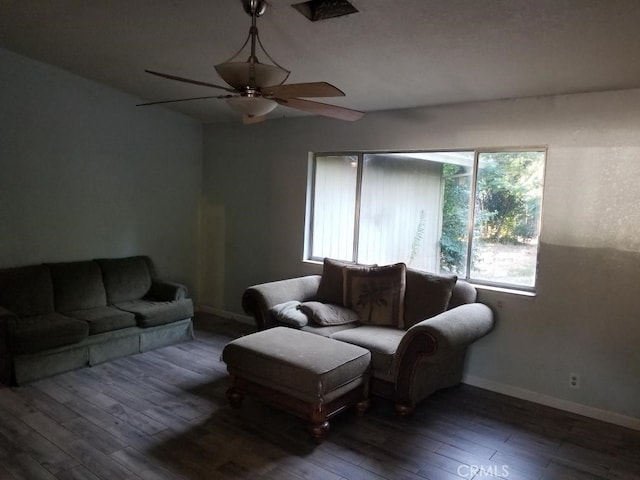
376,293
331,286
427,295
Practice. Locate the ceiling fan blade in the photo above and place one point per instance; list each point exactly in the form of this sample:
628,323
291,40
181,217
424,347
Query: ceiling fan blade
312,89
182,100
251,119
188,80
317,108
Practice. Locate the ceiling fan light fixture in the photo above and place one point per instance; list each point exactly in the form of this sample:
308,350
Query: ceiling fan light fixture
251,74
256,88
252,106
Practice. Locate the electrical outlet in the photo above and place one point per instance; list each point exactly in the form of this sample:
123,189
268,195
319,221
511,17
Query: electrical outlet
574,380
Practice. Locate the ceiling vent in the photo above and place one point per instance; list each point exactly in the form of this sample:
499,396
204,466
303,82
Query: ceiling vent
316,10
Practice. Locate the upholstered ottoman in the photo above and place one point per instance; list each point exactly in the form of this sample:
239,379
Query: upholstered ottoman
308,375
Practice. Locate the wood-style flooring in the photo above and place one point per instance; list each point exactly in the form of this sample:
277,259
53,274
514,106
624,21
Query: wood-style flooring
164,415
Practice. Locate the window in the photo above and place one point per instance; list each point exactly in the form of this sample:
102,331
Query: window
475,213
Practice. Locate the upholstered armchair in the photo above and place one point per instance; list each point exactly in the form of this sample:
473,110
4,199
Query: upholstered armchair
409,363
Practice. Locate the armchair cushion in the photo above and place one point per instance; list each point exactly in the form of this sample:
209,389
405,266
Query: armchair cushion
288,313
325,314
376,293
382,342
427,295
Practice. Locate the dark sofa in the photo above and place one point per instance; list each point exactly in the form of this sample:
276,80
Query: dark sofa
61,316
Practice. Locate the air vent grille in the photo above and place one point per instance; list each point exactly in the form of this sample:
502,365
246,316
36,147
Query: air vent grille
316,10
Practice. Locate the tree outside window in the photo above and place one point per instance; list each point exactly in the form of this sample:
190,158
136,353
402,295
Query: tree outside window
472,213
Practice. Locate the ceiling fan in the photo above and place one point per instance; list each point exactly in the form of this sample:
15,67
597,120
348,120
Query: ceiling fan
256,88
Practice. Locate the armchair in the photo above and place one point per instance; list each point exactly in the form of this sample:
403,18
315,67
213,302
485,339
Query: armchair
408,363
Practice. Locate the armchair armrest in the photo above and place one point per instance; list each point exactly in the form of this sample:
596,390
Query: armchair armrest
439,340
258,299
451,330
167,291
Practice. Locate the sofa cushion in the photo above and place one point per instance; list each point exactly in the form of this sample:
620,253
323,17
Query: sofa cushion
104,319
125,279
327,331
326,314
331,283
427,295
288,313
376,293
77,285
382,342
42,332
150,314
27,291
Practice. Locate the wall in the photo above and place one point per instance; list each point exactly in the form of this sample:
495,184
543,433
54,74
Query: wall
584,318
86,174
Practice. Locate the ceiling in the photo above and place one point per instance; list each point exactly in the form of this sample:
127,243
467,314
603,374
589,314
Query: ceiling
389,55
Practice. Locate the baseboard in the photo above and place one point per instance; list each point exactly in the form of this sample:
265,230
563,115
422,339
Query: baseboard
549,401
510,390
226,314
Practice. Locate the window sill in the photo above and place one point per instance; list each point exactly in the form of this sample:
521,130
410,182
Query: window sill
511,291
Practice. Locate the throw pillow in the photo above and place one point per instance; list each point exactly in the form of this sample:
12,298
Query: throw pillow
427,295
288,313
325,314
331,288
376,293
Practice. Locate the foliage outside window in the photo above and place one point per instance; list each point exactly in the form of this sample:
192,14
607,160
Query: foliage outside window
474,213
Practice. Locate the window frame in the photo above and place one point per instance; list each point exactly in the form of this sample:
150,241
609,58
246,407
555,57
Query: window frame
477,152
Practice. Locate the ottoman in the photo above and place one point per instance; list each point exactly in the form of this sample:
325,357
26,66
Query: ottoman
305,374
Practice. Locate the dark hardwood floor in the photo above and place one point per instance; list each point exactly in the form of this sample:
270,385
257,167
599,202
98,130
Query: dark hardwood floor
164,415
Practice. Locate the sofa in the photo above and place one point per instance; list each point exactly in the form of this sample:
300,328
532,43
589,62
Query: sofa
417,325
57,317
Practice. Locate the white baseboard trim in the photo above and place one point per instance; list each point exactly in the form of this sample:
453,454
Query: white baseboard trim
226,314
549,401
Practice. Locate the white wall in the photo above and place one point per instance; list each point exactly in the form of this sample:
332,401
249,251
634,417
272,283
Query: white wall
86,174
584,318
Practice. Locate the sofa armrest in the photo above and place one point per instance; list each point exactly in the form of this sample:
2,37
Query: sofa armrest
8,321
439,338
163,290
258,299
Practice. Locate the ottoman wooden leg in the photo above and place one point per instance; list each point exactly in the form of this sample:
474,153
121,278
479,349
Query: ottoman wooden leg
362,406
404,410
319,431
319,426
235,397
